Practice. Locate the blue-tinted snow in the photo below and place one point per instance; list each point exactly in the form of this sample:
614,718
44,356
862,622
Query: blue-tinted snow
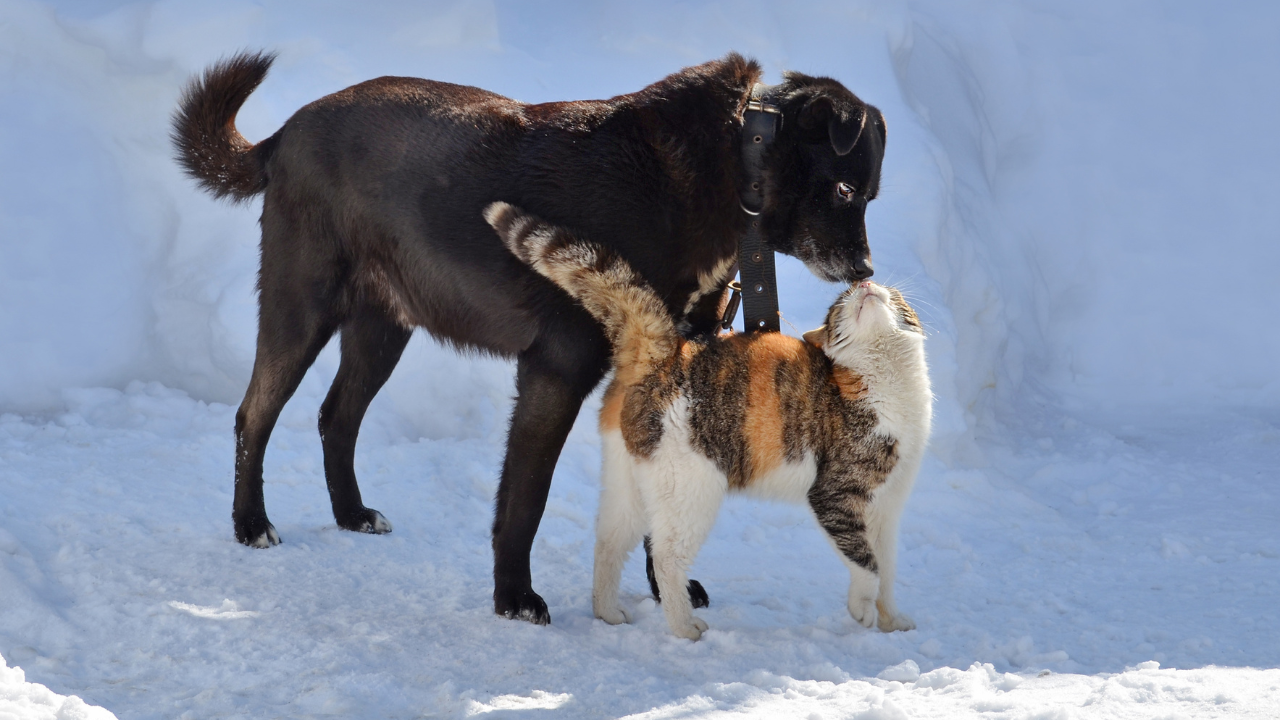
1078,197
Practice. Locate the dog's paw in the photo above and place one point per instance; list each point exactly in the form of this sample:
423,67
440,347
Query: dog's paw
524,605
614,615
692,630
257,532
698,595
366,520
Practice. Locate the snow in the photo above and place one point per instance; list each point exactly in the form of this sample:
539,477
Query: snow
1078,199
31,701
122,585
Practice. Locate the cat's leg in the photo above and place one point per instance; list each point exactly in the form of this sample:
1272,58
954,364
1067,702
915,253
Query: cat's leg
697,594
882,519
619,526
842,514
682,496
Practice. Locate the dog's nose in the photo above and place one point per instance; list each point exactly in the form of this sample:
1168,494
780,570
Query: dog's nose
862,269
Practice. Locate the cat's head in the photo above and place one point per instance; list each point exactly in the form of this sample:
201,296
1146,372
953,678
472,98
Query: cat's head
865,317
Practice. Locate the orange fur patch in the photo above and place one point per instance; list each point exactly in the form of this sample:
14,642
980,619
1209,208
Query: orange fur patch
886,620
763,425
686,353
611,407
850,383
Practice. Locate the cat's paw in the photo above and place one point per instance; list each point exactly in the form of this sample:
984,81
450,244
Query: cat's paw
895,621
863,609
614,615
864,591
692,631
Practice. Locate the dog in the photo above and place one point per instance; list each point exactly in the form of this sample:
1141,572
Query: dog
372,226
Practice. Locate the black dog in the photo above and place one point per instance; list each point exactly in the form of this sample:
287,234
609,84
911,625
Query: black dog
372,226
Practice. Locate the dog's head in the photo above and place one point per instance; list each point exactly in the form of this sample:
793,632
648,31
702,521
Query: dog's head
823,170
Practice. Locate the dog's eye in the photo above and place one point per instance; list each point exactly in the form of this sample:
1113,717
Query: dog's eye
845,190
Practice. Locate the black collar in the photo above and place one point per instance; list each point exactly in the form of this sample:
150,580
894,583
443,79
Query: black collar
761,121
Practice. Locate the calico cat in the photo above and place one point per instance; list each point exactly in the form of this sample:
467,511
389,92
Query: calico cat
839,420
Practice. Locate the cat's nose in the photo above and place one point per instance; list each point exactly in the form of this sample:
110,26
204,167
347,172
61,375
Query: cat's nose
864,284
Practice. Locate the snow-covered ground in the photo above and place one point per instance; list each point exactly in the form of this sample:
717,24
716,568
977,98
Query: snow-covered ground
1077,197
1089,554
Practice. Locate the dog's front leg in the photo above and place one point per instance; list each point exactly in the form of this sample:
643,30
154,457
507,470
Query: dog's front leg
553,376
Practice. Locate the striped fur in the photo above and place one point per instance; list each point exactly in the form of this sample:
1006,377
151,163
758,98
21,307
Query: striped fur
839,421
635,320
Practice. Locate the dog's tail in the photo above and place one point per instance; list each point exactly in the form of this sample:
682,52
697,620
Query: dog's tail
204,134
636,321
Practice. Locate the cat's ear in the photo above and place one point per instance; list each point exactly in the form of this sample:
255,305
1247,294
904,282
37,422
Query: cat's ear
817,337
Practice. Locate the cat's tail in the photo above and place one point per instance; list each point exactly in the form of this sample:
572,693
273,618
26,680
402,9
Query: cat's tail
635,319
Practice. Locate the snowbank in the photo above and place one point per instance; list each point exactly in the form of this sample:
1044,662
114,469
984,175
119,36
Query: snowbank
903,692
1057,182
1109,169
21,700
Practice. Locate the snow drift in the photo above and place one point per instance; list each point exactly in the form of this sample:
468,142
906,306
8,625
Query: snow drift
1056,185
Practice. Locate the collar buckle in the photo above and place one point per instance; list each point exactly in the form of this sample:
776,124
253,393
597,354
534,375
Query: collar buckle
762,106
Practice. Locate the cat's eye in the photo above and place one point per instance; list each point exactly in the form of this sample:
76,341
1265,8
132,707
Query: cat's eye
845,190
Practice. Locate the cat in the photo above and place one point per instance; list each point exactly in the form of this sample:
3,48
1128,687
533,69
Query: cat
839,419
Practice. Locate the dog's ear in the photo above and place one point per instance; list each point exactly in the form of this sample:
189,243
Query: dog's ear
817,337
844,125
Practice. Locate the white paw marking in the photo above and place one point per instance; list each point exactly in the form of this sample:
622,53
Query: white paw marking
267,539
528,615
380,526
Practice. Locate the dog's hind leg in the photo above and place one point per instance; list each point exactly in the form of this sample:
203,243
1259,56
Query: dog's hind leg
282,360
553,376
372,342
298,311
